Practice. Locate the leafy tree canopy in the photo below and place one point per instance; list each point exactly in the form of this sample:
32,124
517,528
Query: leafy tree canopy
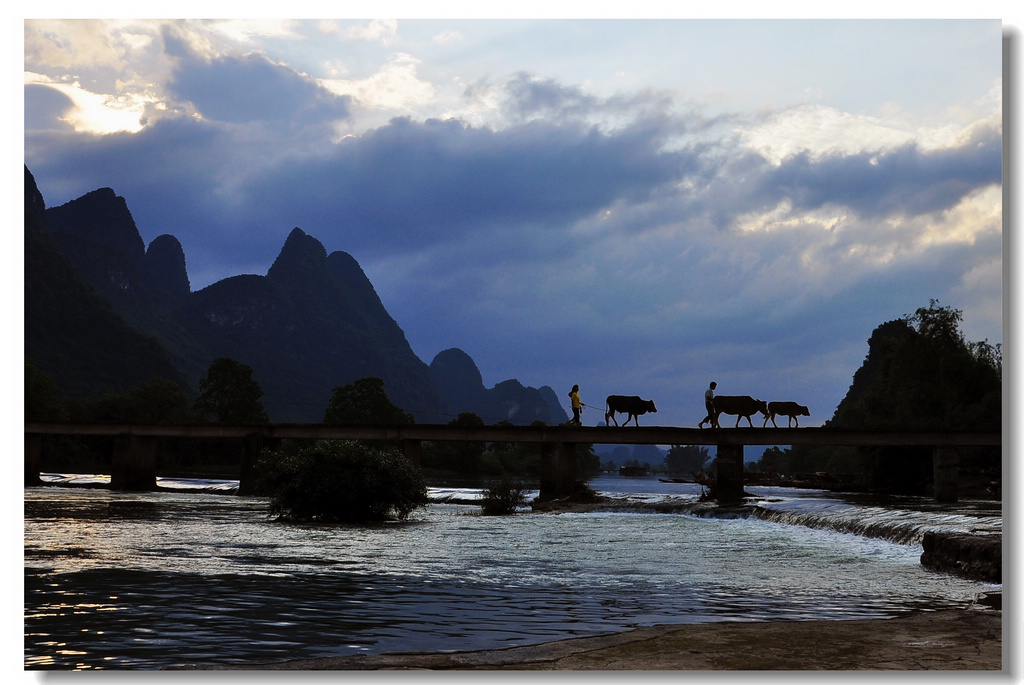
686,459
230,393
364,402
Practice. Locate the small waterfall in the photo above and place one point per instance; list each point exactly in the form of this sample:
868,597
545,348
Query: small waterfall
901,526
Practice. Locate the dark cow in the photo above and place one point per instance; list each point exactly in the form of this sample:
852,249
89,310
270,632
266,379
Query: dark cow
630,405
790,409
740,405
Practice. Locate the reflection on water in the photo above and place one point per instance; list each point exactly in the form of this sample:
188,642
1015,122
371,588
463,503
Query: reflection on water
145,580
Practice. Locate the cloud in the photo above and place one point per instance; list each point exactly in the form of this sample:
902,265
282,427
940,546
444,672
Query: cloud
905,180
374,30
396,87
251,88
408,184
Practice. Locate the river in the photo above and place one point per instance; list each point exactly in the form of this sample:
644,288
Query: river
190,574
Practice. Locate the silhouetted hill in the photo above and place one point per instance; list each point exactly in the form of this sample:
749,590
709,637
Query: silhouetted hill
71,333
313,323
459,381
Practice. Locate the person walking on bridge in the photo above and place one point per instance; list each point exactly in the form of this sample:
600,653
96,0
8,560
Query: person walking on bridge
709,404
577,405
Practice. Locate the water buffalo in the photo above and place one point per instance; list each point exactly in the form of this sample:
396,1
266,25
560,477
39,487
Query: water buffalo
740,405
630,405
790,409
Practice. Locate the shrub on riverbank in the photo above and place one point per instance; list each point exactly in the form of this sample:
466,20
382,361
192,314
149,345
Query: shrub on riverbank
342,481
503,496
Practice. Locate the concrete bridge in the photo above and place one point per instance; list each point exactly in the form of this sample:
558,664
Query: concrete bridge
134,459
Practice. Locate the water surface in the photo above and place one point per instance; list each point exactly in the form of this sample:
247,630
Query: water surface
146,580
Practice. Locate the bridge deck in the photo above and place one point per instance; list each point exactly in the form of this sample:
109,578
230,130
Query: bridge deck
632,435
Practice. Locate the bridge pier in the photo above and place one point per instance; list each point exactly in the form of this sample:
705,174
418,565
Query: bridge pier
945,473
729,482
33,458
252,447
134,463
557,470
413,451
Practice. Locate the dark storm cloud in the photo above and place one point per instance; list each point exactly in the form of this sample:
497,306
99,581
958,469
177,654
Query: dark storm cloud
906,180
250,88
43,108
407,183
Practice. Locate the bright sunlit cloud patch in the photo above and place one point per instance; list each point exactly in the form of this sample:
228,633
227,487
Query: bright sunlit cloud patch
821,131
395,87
980,212
96,112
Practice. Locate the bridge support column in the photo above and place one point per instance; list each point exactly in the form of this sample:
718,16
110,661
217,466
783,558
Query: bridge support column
33,458
945,473
252,446
557,470
134,463
730,474
413,451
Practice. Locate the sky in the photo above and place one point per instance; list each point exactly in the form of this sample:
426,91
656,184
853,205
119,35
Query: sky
637,206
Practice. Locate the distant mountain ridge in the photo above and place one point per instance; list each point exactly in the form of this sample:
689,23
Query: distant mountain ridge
312,323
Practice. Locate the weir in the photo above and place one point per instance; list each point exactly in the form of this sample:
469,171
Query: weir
134,458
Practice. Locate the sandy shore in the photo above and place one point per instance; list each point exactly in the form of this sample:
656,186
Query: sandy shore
967,639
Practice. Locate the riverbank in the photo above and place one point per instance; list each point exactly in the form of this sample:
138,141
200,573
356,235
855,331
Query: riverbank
948,640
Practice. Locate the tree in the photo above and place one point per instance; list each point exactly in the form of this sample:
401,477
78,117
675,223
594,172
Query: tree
342,481
364,402
43,400
773,460
229,392
588,463
465,457
516,458
686,459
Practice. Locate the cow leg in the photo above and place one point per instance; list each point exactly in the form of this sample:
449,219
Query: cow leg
751,423
636,419
797,419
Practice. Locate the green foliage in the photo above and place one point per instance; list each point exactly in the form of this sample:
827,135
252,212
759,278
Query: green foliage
463,458
230,393
153,401
686,459
341,481
520,459
503,496
43,399
588,464
364,402
920,373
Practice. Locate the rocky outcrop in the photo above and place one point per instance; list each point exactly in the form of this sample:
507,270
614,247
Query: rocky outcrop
165,273
978,557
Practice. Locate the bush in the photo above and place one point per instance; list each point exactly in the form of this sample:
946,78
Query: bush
503,496
342,481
